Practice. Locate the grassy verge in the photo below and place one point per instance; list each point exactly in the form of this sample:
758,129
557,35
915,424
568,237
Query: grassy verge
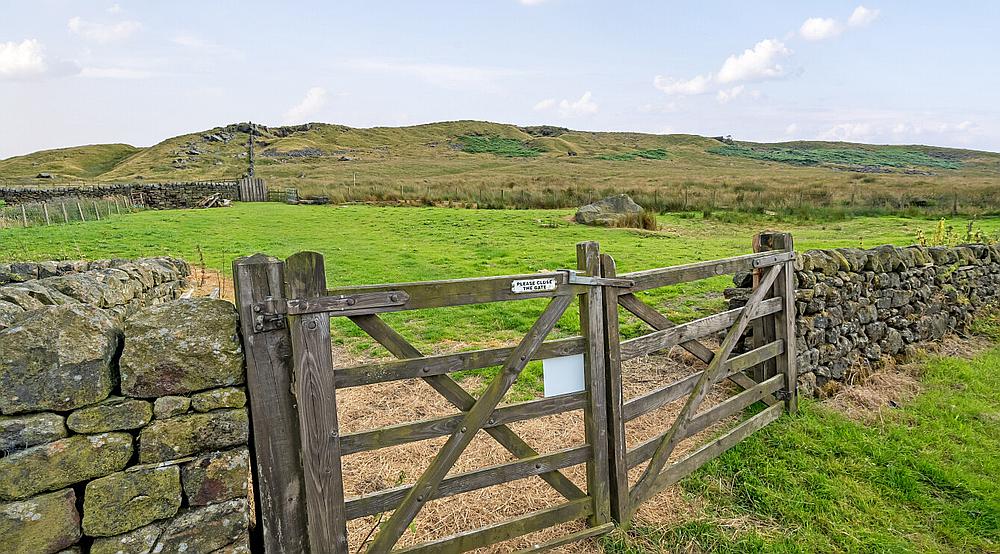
924,480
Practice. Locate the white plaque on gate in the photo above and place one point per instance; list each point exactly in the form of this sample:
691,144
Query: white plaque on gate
563,375
542,284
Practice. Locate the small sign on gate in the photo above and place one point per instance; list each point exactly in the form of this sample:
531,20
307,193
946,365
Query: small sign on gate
543,284
563,375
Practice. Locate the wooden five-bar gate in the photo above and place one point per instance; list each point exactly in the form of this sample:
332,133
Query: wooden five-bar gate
286,310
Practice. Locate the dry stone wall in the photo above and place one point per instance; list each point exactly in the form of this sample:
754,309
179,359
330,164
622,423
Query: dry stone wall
855,306
157,196
123,433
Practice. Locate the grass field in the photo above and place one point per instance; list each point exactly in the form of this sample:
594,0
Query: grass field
492,164
924,480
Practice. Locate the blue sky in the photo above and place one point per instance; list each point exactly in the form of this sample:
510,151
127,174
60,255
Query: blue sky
74,72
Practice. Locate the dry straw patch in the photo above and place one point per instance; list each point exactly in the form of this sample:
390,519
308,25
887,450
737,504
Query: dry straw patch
374,406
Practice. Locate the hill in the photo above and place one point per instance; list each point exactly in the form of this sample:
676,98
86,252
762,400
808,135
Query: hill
474,161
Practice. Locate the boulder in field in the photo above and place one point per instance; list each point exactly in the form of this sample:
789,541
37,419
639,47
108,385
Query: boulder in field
180,347
57,358
46,523
609,212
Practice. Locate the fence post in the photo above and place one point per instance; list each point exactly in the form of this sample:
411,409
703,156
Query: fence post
45,211
80,208
315,392
281,509
618,469
784,321
595,417
763,328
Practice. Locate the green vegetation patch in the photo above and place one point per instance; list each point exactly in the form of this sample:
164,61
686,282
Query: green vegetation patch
885,157
499,146
650,154
922,479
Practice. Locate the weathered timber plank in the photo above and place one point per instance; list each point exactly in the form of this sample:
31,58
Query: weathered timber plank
617,471
426,366
784,288
588,533
685,466
345,305
315,391
460,292
274,441
668,393
666,276
685,332
702,421
461,399
475,418
642,488
420,430
595,415
499,532
659,322
385,500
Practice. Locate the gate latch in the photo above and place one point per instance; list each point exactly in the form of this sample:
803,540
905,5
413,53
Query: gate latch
268,315
574,277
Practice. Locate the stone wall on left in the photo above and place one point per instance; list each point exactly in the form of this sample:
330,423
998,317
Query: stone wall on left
123,418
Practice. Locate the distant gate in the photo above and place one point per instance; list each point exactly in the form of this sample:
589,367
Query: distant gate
252,189
285,311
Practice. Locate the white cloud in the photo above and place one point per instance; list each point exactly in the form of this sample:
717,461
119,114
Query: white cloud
862,16
545,104
696,85
313,101
22,59
820,28
531,2
755,64
850,132
584,106
726,95
103,32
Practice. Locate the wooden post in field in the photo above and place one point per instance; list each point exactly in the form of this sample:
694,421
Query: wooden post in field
79,207
24,216
277,467
618,468
65,215
783,323
97,211
118,207
763,328
45,210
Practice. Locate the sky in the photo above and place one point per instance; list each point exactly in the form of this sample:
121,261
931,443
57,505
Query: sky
900,72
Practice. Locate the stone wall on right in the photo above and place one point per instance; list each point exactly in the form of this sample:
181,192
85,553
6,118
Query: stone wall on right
855,305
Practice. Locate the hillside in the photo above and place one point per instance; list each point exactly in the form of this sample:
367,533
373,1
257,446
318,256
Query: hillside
472,159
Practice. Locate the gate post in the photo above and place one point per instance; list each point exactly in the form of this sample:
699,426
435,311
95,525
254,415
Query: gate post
595,421
274,437
783,325
618,469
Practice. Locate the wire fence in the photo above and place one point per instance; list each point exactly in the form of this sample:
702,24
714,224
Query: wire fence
66,210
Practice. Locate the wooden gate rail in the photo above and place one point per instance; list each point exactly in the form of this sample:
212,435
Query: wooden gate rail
286,308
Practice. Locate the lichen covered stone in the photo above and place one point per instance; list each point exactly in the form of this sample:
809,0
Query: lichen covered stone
205,529
216,477
128,500
180,347
113,414
229,397
61,463
40,525
139,541
180,436
57,358
170,406
24,431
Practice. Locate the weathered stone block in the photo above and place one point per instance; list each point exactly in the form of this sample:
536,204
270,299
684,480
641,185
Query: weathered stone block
184,435
128,500
216,477
20,432
40,525
56,358
229,397
180,347
63,462
170,406
139,541
205,529
113,414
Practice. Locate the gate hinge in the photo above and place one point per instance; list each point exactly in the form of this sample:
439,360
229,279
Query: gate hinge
782,394
574,277
268,315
